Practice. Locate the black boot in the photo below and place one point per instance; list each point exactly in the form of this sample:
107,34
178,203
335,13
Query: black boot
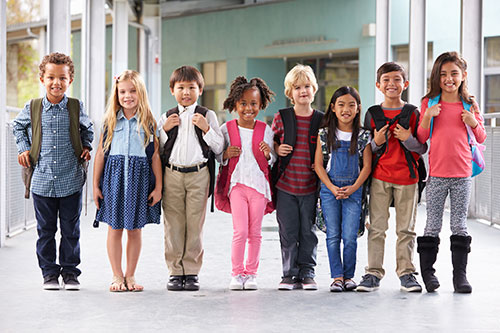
460,248
428,249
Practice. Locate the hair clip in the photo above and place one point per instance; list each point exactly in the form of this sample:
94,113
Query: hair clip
116,78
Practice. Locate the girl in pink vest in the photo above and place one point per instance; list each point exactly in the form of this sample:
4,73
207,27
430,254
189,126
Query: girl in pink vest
243,188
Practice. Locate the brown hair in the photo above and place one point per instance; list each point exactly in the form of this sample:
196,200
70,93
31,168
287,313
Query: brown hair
58,59
240,85
187,74
391,67
435,87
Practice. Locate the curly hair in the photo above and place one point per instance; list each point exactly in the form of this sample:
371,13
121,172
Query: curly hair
58,59
240,85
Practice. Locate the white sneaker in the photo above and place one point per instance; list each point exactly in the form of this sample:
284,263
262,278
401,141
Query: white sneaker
237,282
251,282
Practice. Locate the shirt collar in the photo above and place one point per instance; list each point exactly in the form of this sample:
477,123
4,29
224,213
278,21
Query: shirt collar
47,105
120,115
189,108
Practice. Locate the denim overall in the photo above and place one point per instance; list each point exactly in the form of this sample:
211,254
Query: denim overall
342,216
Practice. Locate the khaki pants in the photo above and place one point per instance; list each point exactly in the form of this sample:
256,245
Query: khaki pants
405,202
184,206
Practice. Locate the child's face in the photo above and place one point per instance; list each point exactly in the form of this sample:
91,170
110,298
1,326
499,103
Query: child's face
392,84
248,106
451,78
303,93
56,81
127,96
186,92
345,109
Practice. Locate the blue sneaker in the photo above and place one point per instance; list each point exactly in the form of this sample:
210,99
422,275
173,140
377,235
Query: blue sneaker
368,283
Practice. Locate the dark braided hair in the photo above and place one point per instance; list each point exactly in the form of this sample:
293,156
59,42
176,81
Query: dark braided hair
240,85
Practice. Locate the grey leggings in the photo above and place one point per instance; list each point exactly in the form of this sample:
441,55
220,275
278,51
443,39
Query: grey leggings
437,190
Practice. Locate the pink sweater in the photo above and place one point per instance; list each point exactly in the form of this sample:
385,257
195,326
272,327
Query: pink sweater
450,154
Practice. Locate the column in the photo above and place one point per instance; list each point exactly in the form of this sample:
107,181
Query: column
417,64
59,27
382,38
120,37
3,122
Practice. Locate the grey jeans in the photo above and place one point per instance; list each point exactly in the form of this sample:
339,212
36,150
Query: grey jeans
295,214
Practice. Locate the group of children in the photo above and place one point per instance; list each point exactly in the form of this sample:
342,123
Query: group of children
140,163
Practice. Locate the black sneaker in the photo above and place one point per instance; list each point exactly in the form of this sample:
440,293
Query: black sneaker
287,283
70,282
369,282
308,283
191,283
51,282
175,282
409,283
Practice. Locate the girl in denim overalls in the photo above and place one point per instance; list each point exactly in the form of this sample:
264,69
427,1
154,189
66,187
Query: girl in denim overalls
345,143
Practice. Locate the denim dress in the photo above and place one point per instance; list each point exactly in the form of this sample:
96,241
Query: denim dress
342,216
127,180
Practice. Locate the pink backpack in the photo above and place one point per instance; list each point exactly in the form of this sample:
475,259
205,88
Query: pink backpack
225,172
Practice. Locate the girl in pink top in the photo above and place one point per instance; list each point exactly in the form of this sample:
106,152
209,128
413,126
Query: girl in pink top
243,187
450,165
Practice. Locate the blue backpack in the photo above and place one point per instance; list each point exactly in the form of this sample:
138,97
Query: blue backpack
476,148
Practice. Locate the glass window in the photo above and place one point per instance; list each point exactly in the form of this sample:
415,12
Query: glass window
492,75
214,93
332,72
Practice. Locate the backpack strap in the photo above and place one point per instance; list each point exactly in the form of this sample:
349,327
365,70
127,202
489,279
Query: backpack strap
74,126
316,119
36,129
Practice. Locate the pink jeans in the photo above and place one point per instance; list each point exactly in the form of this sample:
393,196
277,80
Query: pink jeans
247,207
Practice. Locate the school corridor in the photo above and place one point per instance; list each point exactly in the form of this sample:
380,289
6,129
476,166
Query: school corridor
25,307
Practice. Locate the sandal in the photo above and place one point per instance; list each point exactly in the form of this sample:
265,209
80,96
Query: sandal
117,284
349,285
337,286
131,285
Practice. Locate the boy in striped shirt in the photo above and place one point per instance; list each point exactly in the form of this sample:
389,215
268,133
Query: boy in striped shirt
296,131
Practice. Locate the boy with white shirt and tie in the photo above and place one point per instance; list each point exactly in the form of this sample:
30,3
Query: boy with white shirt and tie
189,138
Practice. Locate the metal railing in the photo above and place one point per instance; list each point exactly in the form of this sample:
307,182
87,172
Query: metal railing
487,187
20,214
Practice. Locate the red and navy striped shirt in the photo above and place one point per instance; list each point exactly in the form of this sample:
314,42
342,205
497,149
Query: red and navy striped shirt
298,177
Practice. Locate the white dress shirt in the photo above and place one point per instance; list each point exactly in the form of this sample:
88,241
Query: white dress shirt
187,149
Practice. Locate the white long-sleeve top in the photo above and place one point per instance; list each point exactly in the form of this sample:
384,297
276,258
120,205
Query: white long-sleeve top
187,150
247,171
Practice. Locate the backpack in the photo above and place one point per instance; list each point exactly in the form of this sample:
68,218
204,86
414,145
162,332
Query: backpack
363,137
223,183
36,137
207,152
403,118
476,148
150,149
290,137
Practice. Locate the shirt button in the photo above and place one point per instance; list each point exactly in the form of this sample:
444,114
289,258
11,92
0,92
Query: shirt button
54,117
54,131
55,177
55,162
54,147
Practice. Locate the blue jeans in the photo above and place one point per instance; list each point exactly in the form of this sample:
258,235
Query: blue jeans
342,216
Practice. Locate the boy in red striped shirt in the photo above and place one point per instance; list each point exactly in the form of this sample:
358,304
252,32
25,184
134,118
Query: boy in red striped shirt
296,131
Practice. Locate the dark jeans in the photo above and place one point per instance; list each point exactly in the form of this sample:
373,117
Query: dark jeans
298,239
47,210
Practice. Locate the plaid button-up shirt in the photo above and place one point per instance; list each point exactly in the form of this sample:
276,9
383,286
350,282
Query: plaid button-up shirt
58,172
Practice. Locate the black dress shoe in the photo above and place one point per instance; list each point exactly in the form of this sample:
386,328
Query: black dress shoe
191,283
175,282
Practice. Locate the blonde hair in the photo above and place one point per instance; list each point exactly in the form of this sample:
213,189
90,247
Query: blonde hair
299,74
145,121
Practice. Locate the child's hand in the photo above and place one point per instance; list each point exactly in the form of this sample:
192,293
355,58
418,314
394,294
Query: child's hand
85,154
231,151
401,133
347,191
264,147
469,119
154,197
97,194
379,136
201,122
433,111
284,150
172,121
24,159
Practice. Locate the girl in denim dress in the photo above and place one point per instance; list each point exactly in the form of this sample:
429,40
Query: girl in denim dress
127,175
341,181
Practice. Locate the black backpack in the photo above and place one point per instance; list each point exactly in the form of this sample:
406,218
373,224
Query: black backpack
403,118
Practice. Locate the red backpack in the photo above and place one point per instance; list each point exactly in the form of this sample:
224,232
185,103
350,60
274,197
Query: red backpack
225,172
